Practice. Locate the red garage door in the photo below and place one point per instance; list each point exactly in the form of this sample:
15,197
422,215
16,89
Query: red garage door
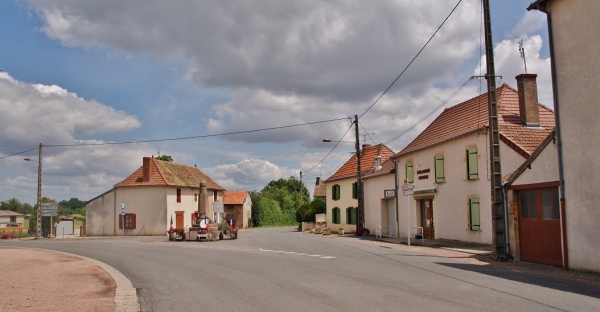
539,226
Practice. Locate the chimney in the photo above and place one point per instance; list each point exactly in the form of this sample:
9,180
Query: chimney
529,109
203,202
146,170
378,162
318,181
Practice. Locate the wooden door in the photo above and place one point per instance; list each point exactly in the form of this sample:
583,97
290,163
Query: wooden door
426,208
539,226
179,220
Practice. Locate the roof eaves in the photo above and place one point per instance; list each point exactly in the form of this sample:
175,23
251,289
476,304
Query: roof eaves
401,154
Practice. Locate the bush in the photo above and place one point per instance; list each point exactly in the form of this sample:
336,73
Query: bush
8,236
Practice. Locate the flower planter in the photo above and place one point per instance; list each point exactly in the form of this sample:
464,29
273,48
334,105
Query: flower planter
341,231
326,231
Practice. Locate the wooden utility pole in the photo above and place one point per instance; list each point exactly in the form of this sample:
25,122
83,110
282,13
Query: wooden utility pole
359,187
498,219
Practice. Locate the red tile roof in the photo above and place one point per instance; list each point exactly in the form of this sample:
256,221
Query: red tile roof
320,189
367,161
234,197
167,173
387,168
10,213
472,116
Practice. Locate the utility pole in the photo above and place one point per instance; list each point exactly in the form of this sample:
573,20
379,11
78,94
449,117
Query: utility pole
359,187
498,219
300,187
38,231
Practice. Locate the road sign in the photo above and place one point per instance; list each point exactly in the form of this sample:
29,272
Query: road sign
49,213
49,206
408,189
123,209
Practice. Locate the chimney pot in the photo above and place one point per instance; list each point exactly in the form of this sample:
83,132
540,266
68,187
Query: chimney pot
146,169
529,109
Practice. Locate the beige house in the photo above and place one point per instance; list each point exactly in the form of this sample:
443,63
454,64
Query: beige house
448,163
574,44
11,219
158,195
341,190
239,205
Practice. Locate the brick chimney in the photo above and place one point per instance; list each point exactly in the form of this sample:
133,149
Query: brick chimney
146,170
529,110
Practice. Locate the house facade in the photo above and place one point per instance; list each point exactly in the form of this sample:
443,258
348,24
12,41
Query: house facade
380,199
238,204
573,29
157,196
341,187
448,163
10,218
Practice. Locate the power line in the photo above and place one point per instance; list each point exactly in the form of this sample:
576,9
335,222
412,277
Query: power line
414,58
18,148
197,136
443,103
331,151
19,153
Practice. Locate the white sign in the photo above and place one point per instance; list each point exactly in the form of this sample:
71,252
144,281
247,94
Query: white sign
123,209
49,213
48,206
389,193
218,206
408,189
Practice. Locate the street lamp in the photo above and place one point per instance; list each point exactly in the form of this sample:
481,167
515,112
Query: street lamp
38,230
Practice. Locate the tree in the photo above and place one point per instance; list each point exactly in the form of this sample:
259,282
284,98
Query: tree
269,212
292,186
165,158
15,205
72,206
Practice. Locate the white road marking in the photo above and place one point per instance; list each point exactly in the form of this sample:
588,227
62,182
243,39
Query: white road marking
297,253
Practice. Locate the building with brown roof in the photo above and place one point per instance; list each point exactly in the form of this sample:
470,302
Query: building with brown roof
320,190
10,218
341,190
238,204
448,163
573,30
380,195
158,195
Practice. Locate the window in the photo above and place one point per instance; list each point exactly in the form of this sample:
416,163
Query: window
528,201
410,177
178,195
215,196
474,222
335,191
195,197
335,215
550,206
355,190
129,221
472,172
439,169
13,219
351,213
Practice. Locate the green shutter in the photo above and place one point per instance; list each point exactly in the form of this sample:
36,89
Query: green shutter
354,215
439,169
349,215
339,191
337,216
474,222
354,188
472,169
409,173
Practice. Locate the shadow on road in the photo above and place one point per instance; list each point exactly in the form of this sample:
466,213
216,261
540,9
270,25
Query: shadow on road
556,278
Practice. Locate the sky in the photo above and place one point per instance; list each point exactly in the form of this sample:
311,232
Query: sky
101,84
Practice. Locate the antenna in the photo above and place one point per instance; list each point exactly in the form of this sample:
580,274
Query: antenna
367,134
522,52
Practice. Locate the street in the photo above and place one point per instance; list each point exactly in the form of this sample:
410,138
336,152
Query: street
279,269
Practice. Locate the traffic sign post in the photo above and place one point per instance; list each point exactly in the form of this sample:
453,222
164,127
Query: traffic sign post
407,190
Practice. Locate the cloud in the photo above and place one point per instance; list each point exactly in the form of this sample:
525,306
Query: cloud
34,113
248,174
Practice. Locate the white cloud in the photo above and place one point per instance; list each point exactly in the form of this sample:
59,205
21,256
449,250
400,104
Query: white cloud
34,113
248,174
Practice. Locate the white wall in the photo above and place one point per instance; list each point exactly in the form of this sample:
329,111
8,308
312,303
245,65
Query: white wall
376,203
344,202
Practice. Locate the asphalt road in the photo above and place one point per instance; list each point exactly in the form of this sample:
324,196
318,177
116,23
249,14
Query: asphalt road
278,269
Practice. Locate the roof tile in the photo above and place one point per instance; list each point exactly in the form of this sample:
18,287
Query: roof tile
367,161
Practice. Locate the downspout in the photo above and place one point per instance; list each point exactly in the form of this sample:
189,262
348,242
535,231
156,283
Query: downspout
505,206
396,199
115,211
561,175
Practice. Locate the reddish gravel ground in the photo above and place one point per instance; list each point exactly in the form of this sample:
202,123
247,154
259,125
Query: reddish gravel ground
40,280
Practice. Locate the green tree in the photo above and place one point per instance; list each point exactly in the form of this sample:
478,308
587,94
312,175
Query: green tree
72,206
293,188
269,212
15,205
165,158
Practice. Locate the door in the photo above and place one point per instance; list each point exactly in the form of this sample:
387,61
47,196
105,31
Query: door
539,226
426,208
179,220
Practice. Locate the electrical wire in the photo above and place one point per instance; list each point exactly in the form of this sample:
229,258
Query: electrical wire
443,103
197,136
19,153
414,58
331,151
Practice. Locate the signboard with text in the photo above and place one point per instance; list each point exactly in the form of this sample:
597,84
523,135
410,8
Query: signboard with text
48,209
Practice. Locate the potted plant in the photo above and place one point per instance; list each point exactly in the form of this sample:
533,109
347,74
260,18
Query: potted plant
326,231
362,231
318,230
341,231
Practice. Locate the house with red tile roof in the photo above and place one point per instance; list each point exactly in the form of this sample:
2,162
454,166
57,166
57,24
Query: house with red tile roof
448,163
341,190
320,191
238,204
157,196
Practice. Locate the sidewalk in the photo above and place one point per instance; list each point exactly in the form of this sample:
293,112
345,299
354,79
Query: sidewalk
466,247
